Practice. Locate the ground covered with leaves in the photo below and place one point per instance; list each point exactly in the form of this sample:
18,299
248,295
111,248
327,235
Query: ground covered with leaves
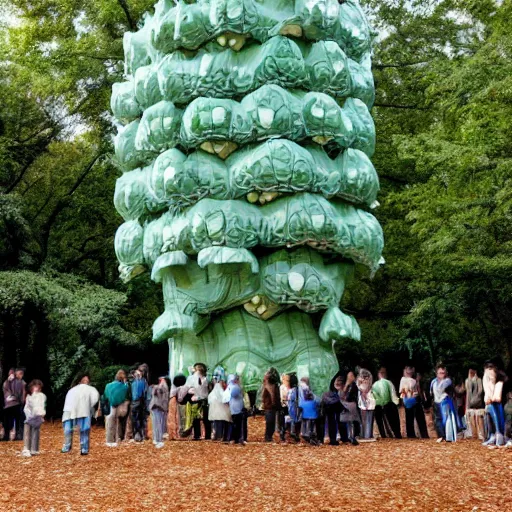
388,475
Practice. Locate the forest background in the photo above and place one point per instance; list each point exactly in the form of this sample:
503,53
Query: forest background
443,72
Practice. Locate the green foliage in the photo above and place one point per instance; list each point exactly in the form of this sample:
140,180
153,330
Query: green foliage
446,171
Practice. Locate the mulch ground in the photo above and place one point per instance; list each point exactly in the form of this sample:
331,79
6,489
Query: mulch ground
389,475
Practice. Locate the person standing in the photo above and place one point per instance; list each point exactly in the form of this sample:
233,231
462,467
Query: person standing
386,410
9,405
14,389
411,396
294,410
349,416
309,406
218,411
331,404
493,395
366,403
199,383
158,407
284,389
441,390
35,411
271,399
507,394
233,396
475,408
139,388
116,393
79,406
176,413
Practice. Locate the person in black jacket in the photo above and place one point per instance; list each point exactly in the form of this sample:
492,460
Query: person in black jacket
350,419
331,405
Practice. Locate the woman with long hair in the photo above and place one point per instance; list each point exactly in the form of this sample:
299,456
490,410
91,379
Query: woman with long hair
441,389
493,395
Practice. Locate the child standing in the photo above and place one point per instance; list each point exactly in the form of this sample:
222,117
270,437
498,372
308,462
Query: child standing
309,405
35,411
284,389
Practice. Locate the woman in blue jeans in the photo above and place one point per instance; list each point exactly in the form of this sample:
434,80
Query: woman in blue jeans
441,389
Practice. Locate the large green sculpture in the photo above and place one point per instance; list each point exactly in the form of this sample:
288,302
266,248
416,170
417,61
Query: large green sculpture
245,145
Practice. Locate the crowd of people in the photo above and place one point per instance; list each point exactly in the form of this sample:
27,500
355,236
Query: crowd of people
215,407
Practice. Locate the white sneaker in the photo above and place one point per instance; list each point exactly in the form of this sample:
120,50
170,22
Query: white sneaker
509,444
491,441
166,436
111,445
440,440
26,453
159,445
34,453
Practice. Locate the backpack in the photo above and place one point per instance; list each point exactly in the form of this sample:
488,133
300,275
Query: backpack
105,406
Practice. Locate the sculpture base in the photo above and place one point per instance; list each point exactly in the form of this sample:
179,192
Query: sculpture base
248,346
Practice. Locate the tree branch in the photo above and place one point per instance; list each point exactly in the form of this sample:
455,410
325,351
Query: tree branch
390,105
376,314
400,65
99,57
89,255
62,203
129,18
394,179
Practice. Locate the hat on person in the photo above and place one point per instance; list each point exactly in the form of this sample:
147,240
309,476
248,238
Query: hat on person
219,373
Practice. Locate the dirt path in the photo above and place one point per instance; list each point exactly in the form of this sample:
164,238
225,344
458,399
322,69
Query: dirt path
203,476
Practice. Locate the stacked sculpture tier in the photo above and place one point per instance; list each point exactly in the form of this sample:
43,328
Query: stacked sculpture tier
245,140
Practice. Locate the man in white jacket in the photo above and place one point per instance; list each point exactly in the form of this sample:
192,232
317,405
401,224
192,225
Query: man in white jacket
78,410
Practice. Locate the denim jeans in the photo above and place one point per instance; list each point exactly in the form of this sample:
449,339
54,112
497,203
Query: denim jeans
84,426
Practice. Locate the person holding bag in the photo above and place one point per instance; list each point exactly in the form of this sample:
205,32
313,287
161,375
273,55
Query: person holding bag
116,394
35,411
410,394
